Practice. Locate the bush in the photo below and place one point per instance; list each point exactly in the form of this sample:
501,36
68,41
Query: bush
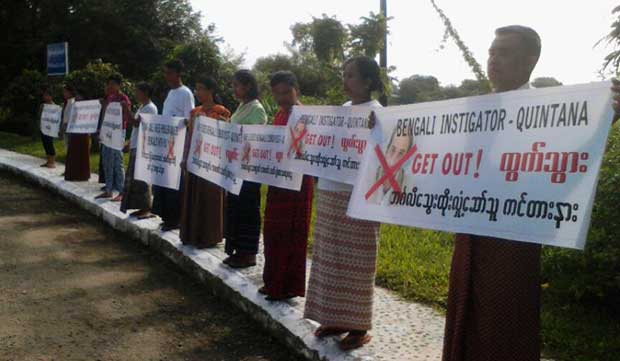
21,103
593,276
91,80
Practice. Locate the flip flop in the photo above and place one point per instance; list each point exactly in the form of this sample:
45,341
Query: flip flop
352,342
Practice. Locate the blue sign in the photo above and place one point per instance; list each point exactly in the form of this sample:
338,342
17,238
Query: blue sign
57,59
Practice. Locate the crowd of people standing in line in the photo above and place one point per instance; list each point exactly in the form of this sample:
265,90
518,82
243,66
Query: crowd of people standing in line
494,296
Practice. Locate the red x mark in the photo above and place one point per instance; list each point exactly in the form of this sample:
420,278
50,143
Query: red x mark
231,155
295,144
389,171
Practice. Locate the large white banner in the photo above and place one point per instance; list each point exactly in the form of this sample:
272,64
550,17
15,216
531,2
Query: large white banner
51,117
521,165
327,141
214,153
263,160
84,117
112,133
160,150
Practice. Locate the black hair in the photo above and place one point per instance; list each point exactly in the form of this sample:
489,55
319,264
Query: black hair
284,77
70,88
116,79
210,84
246,78
369,70
176,65
530,40
45,89
146,88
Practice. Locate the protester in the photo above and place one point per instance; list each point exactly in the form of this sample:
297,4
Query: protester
178,103
136,193
46,140
77,164
202,212
68,95
243,210
287,214
494,295
112,159
342,277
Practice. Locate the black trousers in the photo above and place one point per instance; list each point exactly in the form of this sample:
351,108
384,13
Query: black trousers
48,144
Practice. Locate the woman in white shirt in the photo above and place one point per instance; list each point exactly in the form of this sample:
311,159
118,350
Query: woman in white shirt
342,277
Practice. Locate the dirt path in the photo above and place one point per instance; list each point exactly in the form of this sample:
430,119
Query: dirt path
72,289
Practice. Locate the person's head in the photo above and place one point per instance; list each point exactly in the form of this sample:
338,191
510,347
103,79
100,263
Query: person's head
68,91
46,94
144,92
173,71
245,86
361,77
206,90
113,85
398,146
512,57
284,88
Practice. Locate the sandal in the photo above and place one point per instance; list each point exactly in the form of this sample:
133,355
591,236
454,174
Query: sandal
353,341
324,331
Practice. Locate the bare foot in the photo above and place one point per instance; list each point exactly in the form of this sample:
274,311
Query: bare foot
118,198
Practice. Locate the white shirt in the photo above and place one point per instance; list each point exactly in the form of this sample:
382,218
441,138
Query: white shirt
179,102
332,186
149,108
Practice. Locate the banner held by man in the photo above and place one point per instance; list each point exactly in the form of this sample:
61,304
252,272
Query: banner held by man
112,132
160,150
520,165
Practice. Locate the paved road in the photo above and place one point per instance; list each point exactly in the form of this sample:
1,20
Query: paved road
72,289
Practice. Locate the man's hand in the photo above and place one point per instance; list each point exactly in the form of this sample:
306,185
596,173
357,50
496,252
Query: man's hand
372,120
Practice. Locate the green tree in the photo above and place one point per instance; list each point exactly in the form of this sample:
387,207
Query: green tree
368,37
418,88
326,37
545,82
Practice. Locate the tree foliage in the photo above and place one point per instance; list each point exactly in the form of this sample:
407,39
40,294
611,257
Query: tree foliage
613,38
135,34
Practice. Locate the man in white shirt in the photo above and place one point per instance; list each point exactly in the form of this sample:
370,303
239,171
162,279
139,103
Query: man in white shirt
178,103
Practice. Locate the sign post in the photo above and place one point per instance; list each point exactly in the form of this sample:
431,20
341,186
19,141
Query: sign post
57,59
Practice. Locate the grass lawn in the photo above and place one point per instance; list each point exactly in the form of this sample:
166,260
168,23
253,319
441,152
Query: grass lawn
415,263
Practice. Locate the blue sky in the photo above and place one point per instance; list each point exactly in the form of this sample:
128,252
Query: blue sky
569,30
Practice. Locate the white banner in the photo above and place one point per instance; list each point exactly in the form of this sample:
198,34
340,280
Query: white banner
214,153
327,141
112,133
51,117
263,160
160,150
84,117
521,165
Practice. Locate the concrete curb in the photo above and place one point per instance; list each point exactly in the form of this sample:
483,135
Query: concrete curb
280,319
